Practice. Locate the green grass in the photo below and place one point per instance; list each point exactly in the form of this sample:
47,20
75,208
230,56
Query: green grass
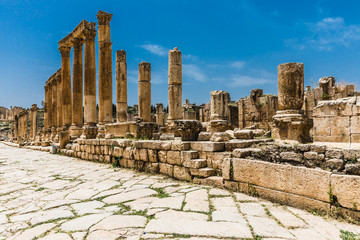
161,193
39,189
345,235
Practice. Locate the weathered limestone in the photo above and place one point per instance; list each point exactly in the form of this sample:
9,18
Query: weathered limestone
188,130
121,86
105,69
145,91
46,107
54,93
219,111
175,84
90,119
59,102
77,97
160,115
33,120
290,121
66,85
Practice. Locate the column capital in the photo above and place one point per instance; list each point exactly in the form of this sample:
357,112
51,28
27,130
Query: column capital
121,56
78,42
104,18
89,34
65,51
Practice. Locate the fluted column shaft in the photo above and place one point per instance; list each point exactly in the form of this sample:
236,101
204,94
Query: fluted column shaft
54,108
121,86
145,91
77,97
46,106
175,84
105,68
50,107
90,78
66,85
59,102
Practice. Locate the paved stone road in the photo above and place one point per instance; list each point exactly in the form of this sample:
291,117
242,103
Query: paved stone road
44,196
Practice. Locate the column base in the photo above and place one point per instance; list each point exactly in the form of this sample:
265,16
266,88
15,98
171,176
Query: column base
292,125
75,131
89,131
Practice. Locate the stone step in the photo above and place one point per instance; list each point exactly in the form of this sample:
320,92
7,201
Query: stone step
202,172
188,155
195,163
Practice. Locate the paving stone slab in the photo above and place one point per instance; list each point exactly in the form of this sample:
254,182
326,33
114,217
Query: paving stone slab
128,196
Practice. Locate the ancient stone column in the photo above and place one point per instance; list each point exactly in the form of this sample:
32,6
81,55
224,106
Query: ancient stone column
50,108
160,114
145,91
46,107
90,78
77,97
33,119
175,84
291,86
219,105
121,86
54,102
59,102
290,121
66,85
105,68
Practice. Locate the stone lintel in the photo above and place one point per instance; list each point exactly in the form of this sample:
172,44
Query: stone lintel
78,32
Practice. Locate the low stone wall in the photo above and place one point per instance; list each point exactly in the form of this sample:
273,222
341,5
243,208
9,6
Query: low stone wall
285,173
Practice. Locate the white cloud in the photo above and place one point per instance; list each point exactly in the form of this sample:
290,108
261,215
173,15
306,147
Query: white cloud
327,34
238,64
155,49
244,80
193,72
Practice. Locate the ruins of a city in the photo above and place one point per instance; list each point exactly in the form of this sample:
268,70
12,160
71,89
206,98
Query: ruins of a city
85,164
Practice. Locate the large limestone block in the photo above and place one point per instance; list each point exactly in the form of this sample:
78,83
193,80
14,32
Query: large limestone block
347,190
208,146
302,181
182,173
188,130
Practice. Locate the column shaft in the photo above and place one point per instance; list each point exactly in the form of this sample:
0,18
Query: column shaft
66,85
77,100
59,102
53,103
46,107
50,107
145,91
175,84
121,86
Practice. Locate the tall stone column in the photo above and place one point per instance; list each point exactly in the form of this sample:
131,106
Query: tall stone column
59,102
175,85
54,102
66,85
160,114
46,107
105,68
50,109
145,91
90,119
290,121
121,86
77,97
33,120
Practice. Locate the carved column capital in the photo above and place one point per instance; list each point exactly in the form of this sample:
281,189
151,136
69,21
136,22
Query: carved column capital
65,51
89,34
78,42
121,56
104,18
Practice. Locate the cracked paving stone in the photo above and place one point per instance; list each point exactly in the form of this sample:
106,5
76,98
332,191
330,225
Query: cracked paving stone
44,216
56,236
34,232
82,223
268,228
119,221
88,207
128,196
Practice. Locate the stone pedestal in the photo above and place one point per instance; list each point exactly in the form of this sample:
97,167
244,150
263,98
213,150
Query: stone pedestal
219,111
144,130
121,86
145,91
105,69
188,130
290,123
160,115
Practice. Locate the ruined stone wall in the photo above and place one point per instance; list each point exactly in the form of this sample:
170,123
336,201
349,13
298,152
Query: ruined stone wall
327,90
257,110
296,175
337,121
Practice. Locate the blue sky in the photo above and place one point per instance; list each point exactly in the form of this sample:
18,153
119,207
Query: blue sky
227,45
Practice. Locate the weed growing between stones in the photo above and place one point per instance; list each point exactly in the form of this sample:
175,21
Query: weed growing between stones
345,235
161,193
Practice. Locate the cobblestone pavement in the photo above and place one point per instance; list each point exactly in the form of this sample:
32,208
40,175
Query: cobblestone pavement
44,196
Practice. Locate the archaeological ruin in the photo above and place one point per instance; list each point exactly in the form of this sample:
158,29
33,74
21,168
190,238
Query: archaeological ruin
279,147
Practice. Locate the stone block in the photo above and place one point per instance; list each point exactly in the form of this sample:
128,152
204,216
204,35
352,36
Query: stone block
182,173
128,153
208,146
195,163
291,157
152,167
220,137
318,148
347,190
353,168
162,155
226,170
232,144
187,155
107,158
231,185
202,172
246,152
334,164
166,169
303,147
213,181
204,136
160,145
180,146
334,153
117,152
243,134
64,139
152,155
351,154
215,159
284,178
174,157
188,130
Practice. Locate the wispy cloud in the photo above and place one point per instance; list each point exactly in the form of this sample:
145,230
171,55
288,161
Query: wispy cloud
155,49
327,34
244,80
238,64
193,72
